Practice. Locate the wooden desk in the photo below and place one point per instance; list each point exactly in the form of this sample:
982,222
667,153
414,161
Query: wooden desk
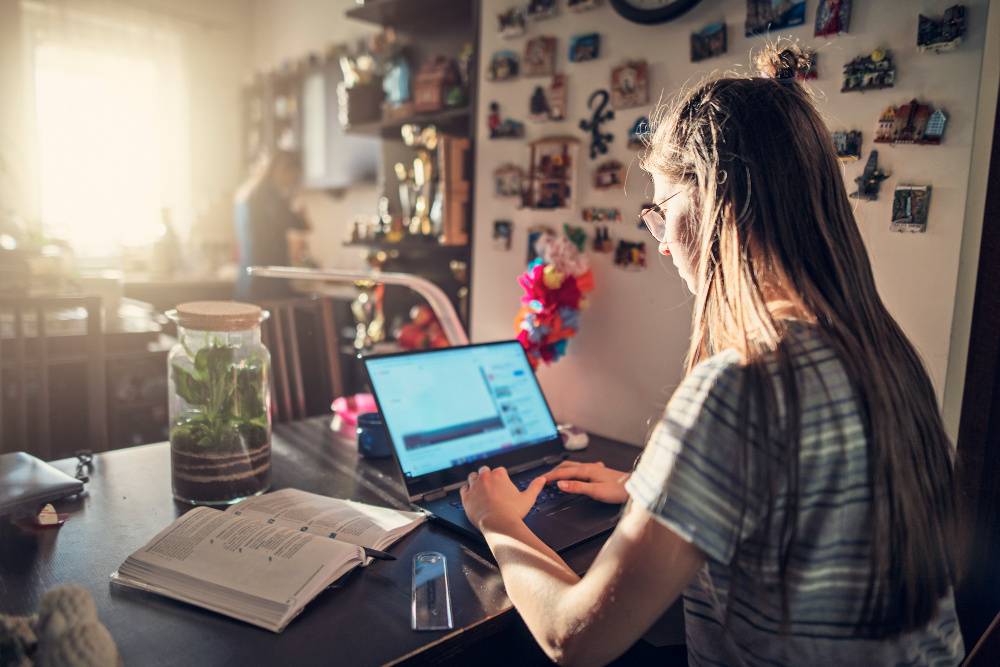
366,621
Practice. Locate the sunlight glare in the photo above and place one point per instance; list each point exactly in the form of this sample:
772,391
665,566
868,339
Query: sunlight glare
100,157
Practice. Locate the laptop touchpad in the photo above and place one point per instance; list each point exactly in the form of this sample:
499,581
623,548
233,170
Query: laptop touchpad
586,516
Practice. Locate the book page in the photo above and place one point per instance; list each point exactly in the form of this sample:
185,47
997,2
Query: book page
343,520
256,558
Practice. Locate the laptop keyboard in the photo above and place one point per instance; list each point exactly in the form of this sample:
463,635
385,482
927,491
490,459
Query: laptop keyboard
550,496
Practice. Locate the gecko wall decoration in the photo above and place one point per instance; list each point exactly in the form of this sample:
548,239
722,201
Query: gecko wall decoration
598,140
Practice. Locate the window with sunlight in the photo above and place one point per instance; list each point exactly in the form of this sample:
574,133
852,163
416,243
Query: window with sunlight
112,149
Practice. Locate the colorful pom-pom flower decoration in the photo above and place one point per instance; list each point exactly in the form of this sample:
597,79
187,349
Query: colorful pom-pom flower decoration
554,285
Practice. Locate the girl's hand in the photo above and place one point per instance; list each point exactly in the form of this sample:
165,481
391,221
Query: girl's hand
590,479
491,496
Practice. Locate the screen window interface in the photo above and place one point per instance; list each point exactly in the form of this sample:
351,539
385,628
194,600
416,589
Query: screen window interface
457,406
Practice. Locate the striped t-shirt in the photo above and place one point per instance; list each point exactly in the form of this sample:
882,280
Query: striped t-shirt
690,478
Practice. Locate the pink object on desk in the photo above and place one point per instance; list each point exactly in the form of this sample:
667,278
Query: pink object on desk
349,407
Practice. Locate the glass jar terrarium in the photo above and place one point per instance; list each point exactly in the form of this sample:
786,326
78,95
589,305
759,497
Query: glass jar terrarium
220,400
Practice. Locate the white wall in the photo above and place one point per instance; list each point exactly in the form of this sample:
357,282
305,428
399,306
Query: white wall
217,53
621,368
290,29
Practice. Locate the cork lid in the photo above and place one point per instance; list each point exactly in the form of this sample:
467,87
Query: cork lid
217,315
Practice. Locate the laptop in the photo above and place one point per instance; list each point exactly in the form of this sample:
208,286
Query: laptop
449,411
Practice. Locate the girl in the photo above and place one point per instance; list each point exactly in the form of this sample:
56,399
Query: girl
797,488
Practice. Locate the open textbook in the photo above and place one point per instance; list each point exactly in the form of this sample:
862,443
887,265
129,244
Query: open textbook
264,558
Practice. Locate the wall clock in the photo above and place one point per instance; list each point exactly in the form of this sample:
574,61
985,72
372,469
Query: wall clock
652,11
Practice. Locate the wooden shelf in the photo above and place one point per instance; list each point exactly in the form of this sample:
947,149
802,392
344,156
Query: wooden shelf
407,15
449,121
409,244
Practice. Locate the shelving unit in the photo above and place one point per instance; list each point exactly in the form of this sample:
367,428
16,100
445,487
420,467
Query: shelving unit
425,29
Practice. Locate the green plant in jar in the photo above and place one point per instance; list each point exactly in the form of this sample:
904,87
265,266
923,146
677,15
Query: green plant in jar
220,428
227,397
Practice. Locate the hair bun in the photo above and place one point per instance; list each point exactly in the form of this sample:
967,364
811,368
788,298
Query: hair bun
782,64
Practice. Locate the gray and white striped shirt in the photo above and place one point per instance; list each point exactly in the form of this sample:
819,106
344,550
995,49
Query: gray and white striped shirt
690,478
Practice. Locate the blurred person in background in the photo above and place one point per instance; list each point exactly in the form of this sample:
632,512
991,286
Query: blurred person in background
266,212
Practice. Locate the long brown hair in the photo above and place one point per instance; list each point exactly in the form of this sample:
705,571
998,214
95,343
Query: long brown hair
771,216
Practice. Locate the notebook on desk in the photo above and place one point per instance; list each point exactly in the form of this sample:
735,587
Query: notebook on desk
449,411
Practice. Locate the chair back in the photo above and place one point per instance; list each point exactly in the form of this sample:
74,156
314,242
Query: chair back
42,341
986,652
301,336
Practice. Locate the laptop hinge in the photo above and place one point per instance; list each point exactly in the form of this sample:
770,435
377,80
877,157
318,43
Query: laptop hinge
434,495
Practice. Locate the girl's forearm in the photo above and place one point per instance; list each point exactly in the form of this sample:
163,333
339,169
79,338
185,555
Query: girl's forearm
540,585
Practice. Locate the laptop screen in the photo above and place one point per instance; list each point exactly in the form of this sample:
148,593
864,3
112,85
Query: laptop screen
450,408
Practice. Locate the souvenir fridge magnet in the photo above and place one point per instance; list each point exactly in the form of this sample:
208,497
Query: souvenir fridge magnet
911,123
538,107
848,145
512,22
871,72
501,234
597,214
602,240
549,106
629,87
808,71
641,224
584,47
709,42
557,97
630,255
507,180
551,181
869,180
552,105
539,56
833,17
598,140
503,129
542,9
910,204
767,15
638,136
610,174
944,34
577,235
534,235
503,66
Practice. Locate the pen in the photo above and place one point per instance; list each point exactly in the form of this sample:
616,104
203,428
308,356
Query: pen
375,553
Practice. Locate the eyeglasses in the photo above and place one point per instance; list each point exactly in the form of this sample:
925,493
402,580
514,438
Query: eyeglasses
654,219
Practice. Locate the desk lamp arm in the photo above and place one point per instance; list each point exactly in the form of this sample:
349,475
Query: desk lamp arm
436,298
